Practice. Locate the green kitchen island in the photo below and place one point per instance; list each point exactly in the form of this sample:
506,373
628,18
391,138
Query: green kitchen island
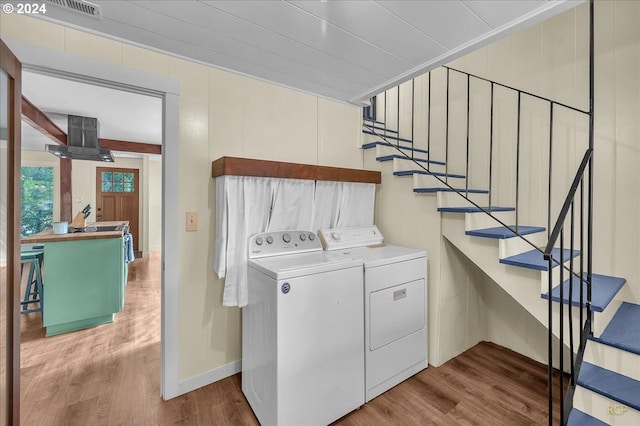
84,277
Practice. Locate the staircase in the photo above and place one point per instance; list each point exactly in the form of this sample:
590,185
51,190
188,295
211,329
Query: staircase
544,270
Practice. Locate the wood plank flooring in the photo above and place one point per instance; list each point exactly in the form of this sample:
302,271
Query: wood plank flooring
110,375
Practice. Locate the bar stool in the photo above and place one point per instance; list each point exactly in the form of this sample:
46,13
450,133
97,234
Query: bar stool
34,292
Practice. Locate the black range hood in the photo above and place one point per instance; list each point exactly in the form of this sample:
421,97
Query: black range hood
82,141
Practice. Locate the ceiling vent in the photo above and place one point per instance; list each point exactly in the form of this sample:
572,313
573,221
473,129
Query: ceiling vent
79,6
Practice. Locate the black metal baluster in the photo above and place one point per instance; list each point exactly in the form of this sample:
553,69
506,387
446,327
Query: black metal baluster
582,256
413,101
491,149
518,159
466,173
561,324
570,304
429,121
398,116
446,138
550,168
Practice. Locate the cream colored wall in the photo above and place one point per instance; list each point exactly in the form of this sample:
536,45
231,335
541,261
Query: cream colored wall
549,59
220,114
155,204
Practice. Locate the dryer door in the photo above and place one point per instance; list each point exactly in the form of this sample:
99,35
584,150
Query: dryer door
396,312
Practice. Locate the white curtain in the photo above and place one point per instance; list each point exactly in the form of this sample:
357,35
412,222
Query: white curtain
249,205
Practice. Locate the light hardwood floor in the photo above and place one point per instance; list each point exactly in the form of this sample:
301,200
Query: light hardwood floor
110,375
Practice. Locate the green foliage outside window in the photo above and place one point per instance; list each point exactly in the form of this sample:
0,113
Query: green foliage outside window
37,200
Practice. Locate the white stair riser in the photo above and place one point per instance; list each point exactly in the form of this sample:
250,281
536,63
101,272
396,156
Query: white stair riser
452,199
604,409
428,181
614,359
483,221
515,245
402,164
602,319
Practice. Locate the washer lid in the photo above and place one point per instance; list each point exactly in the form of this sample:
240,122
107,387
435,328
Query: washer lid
382,254
296,265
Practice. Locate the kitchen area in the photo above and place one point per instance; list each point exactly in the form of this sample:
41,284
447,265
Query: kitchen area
86,274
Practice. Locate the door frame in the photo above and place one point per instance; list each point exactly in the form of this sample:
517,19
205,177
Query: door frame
135,231
11,65
91,71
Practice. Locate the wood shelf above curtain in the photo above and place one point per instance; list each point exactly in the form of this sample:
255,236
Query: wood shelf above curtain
235,166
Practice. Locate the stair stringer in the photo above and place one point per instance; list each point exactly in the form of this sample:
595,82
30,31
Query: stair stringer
522,284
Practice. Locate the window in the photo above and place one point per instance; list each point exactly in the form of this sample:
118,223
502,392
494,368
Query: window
117,182
37,200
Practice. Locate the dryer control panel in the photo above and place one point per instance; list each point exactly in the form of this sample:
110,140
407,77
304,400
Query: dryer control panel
342,238
277,243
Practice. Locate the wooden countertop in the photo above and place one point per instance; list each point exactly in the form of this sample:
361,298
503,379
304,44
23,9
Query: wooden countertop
49,237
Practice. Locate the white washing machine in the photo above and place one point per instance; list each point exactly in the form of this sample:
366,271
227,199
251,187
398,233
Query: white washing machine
302,331
395,305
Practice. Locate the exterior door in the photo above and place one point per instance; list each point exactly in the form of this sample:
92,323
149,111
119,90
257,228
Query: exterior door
10,116
118,198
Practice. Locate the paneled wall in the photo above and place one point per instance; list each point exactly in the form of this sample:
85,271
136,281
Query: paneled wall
221,113
549,59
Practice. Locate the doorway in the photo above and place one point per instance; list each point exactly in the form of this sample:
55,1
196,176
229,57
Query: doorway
101,74
118,199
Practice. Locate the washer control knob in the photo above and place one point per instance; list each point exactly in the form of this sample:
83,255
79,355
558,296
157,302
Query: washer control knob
259,241
312,236
286,238
269,239
335,236
303,237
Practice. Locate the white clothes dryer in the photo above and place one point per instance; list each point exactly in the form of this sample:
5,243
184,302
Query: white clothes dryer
395,305
302,331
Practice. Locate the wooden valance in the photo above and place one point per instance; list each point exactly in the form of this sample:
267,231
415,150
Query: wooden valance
235,166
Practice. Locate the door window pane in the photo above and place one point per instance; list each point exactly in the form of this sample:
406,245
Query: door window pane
106,186
118,187
128,187
37,199
117,177
128,177
106,176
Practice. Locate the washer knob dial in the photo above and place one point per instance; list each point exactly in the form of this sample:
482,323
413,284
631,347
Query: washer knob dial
286,238
259,241
312,236
269,239
303,237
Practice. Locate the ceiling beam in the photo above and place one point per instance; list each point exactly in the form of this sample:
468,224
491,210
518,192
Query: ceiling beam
39,121
127,146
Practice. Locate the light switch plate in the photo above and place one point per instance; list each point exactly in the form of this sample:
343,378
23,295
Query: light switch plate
192,221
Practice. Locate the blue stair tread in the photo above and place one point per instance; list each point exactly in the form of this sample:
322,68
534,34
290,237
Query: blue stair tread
371,120
623,331
534,259
472,209
395,138
403,147
425,172
502,232
578,418
402,157
603,290
610,384
462,190
382,129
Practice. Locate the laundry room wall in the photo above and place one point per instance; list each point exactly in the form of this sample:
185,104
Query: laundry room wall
221,113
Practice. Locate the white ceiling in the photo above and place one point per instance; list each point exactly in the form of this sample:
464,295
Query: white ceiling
121,115
345,50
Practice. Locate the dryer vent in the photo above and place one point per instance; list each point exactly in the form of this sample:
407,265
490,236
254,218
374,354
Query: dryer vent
80,6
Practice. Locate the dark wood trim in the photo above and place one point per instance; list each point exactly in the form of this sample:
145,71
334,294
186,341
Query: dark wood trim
39,121
66,199
128,146
10,64
251,167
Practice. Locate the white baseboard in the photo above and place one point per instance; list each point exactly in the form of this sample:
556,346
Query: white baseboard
203,379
